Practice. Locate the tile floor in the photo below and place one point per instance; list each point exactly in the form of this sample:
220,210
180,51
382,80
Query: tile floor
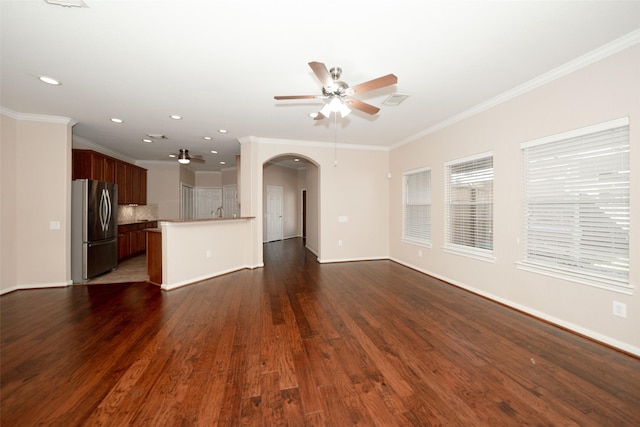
130,270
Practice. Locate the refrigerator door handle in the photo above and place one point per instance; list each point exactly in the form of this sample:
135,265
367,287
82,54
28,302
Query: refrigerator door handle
104,210
108,203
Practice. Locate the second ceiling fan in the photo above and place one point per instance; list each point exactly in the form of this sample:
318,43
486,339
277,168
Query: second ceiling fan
339,94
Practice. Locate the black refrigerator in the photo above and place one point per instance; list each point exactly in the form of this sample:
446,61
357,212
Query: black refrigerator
94,228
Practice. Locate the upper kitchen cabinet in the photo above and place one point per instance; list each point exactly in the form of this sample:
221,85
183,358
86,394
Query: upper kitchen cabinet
131,179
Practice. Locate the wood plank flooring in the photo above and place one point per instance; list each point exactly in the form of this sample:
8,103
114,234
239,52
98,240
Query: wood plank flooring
301,344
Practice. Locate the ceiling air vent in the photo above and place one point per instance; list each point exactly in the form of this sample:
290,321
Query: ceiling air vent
395,99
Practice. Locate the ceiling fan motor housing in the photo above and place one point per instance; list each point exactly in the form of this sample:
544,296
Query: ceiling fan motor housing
338,88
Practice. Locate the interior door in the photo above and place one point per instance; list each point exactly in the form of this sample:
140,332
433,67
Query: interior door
208,200
186,201
230,195
274,213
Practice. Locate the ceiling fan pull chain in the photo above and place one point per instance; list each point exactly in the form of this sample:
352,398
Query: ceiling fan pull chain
335,140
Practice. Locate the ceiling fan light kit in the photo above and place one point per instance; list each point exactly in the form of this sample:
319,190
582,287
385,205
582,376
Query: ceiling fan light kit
335,106
183,157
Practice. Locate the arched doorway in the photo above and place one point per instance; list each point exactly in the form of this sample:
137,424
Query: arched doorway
295,177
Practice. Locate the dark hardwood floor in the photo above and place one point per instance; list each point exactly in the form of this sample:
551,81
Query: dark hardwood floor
298,343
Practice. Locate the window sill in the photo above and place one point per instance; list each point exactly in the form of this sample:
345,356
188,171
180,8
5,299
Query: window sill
479,254
417,243
596,282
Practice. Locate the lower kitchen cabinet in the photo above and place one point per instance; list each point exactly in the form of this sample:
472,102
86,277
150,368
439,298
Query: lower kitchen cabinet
132,238
123,245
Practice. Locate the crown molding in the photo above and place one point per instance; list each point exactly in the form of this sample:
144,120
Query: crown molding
275,141
618,45
37,117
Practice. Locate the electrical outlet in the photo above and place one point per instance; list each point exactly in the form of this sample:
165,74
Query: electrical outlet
619,309
208,253
340,243
419,252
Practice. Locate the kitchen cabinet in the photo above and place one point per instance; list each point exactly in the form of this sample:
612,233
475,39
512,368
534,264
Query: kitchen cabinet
121,180
87,165
124,249
132,238
131,179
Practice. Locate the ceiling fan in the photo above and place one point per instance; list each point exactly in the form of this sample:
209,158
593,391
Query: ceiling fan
185,158
338,94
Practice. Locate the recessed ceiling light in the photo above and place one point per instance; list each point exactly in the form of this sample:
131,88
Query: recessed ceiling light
146,140
296,160
176,117
223,163
223,130
214,152
49,80
313,115
117,120
207,138
172,155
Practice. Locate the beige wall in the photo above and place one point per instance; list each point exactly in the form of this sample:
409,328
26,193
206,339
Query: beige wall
312,185
209,179
603,91
8,203
36,192
163,187
229,176
355,189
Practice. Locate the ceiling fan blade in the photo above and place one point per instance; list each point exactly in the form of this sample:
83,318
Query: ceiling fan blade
321,73
320,116
297,97
196,159
383,81
362,106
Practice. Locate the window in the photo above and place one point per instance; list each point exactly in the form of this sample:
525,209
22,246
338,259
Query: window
469,205
416,206
576,205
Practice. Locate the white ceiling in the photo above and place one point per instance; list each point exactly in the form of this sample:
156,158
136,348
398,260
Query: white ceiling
219,64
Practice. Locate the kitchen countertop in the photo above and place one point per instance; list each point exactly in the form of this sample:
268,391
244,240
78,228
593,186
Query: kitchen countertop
205,219
140,221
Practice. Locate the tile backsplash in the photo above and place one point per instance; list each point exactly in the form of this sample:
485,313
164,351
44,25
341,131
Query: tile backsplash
137,213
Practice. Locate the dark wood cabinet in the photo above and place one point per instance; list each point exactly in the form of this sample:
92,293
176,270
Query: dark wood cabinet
109,169
121,181
124,249
132,238
87,165
131,179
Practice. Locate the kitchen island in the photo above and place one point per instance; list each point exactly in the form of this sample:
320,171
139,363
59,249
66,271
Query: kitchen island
182,252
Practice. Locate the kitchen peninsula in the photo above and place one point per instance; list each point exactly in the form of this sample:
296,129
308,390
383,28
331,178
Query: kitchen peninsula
182,252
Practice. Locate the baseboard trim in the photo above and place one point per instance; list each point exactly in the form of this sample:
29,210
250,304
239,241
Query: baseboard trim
193,281
37,286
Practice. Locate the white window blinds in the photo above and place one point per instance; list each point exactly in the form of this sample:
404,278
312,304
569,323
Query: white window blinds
416,206
576,199
469,204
